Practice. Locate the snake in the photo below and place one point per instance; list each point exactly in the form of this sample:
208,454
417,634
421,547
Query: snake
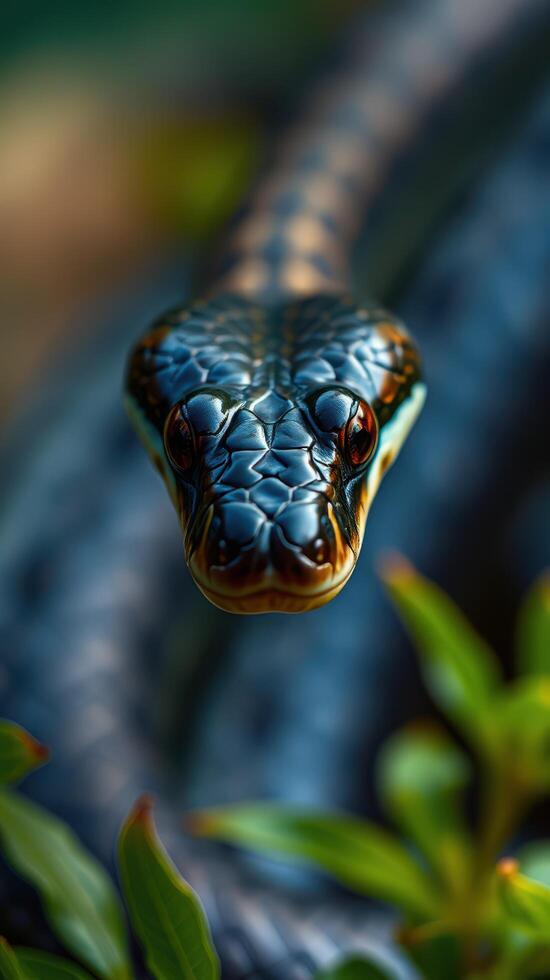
273,407
278,422
68,628
272,420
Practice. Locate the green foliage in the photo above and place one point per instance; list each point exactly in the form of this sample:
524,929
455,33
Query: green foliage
524,720
460,670
82,904
36,965
78,896
525,901
433,949
356,853
460,919
20,753
9,965
422,776
165,913
534,860
533,634
356,968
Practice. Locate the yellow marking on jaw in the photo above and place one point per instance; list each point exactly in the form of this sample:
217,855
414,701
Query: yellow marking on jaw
386,461
272,599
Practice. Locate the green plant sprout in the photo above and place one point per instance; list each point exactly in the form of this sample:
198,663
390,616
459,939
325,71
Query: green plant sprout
466,910
81,903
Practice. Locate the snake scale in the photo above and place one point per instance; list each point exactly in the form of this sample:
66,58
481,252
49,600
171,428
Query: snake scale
93,588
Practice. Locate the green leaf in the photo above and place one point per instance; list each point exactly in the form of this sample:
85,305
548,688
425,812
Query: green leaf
20,753
421,775
33,964
434,950
356,968
525,901
524,952
79,899
533,634
44,966
9,966
362,856
534,861
460,669
523,716
165,912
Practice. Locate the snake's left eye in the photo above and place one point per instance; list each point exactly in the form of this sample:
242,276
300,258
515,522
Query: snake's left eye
178,440
361,435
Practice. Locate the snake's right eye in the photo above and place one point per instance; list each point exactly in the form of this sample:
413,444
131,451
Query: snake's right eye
178,440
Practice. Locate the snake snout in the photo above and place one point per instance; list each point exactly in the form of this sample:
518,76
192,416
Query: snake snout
303,541
251,561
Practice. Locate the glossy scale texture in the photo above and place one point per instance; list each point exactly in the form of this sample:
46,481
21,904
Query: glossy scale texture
271,499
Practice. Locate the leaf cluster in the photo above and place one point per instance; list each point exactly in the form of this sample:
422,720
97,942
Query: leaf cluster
464,912
81,902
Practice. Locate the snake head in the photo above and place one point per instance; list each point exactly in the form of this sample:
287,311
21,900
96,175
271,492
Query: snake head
272,438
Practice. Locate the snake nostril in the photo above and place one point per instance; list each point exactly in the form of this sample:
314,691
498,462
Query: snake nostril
319,551
234,534
303,536
221,551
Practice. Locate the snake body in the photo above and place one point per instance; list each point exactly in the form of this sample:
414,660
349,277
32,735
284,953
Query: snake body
90,565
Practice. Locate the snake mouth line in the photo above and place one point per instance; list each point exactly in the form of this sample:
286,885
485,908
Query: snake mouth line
273,598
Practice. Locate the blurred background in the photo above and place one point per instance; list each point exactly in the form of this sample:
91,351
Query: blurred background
129,135
128,130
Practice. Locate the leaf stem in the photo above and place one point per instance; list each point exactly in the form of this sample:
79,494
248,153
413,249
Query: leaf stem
506,796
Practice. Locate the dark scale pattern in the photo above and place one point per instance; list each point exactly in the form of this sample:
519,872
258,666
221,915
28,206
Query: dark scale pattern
407,59
271,501
230,341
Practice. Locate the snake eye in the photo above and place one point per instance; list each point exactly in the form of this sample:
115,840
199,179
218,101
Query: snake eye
361,435
178,440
